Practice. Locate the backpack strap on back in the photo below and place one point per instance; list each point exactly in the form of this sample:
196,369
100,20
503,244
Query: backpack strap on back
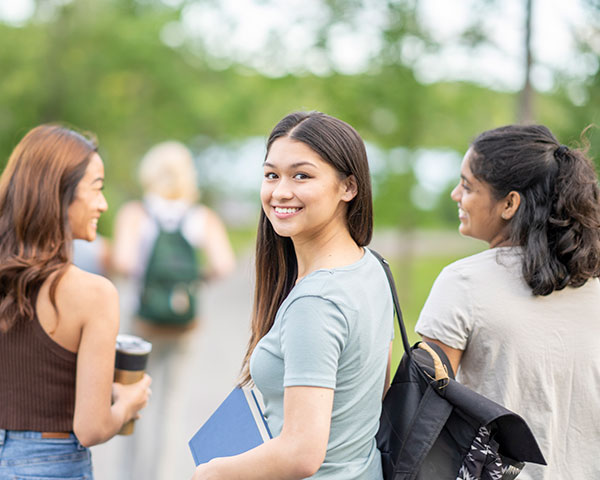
152,216
390,277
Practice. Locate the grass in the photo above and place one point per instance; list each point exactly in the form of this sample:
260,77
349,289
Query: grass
242,239
414,279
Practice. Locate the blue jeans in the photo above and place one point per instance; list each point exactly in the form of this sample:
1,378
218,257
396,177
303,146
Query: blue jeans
26,455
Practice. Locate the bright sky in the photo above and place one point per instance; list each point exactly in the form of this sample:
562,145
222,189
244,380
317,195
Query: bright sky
240,30
554,44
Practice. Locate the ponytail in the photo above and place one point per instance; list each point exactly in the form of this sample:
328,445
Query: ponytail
574,223
558,220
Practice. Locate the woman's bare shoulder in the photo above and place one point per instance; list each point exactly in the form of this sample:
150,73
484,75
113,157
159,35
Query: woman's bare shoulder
210,217
78,287
131,210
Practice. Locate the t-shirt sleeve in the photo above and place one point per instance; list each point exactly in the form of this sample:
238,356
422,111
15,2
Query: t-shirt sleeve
314,333
446,315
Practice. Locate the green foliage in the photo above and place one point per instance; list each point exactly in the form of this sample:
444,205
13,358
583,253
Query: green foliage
101,66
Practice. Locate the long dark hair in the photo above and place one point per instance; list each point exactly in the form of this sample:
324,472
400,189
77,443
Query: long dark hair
340,145
36,189
558,220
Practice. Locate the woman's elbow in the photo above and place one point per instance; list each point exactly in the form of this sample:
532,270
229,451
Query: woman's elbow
86,439
87,436
307,469
307,461
226,269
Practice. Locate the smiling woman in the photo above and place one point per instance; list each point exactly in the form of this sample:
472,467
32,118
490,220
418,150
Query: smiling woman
322,321
89,201
58,324
521,319
481,214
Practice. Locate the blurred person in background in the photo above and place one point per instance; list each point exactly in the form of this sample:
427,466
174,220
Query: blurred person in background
322,321
92,256
155,246
58,323
522,319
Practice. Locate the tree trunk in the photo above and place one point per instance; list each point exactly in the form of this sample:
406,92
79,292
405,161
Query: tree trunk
525,108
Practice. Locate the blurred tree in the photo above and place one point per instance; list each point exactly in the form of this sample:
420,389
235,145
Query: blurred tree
112,67
525,108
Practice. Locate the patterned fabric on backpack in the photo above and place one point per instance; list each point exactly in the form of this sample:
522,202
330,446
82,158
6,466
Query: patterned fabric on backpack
485,463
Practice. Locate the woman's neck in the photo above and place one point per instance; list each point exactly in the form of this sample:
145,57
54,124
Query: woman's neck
337,249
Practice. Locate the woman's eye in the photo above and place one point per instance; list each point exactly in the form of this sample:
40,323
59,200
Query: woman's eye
270,175
301,176
465,186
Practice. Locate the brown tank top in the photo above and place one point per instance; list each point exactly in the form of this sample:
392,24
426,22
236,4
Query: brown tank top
37,380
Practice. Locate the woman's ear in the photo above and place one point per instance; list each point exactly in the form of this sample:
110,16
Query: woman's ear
510,205
350,188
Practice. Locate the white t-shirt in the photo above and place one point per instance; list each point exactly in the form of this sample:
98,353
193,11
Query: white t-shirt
536,355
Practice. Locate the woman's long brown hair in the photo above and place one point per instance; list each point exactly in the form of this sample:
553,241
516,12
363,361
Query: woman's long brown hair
36,189
340,145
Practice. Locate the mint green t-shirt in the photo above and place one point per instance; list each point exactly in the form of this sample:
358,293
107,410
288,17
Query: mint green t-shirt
334,331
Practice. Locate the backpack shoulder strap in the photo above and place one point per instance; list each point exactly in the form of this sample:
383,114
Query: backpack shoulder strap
154,218
390,277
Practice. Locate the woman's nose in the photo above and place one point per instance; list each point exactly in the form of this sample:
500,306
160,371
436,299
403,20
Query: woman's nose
283,189
455,194
103,206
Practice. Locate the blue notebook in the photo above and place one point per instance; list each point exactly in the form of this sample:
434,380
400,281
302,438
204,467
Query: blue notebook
237,426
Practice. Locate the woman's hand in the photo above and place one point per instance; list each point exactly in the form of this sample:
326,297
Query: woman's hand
205,471
133,397
296,453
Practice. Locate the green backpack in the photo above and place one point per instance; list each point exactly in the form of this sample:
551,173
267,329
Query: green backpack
170,281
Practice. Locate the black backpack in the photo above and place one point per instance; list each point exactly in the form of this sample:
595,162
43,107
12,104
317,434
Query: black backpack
171,279
434,428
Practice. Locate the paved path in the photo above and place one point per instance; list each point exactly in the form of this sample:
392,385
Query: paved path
211,368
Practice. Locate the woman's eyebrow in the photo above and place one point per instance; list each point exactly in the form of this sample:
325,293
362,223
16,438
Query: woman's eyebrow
293,165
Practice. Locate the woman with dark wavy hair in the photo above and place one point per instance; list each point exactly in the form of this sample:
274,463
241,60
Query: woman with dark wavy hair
58,324
323,315
523,318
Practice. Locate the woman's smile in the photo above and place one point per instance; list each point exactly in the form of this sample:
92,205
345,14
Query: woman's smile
286,212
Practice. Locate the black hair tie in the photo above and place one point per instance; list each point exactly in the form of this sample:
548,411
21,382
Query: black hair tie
560,152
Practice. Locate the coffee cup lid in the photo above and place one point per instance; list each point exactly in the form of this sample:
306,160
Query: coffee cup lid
133,345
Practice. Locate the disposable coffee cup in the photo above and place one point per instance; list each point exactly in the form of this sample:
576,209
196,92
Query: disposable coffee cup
130,365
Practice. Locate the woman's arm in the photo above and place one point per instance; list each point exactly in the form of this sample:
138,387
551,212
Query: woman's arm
454,355
219,254
126,238
295,454
96,419
388,372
